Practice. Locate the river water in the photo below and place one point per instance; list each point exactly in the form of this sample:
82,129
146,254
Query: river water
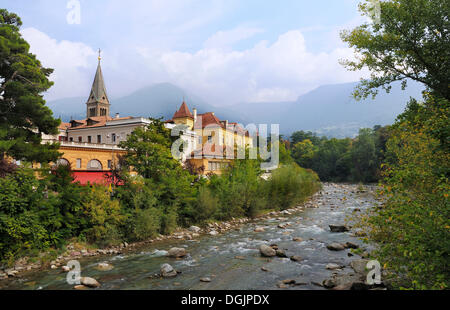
215,256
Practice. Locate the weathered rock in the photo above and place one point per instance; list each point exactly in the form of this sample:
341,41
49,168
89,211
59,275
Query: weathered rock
264,269
297,239
205,279
104,267
296,258
335,247
351,245
359,265
195,229
65,268
259,229
267,251
332,266
329,283
176,252
281,253
80,287
167,271
89,282
288,281
213,233
338,228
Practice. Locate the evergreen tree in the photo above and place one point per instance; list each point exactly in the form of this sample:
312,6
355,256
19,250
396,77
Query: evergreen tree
23,114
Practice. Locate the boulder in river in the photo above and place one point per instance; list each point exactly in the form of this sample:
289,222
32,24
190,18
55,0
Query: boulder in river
213,233
104,267
89,282
296,258
359,265
335,247
332,266
351,245
281,253
195,229
167,271
259,229
329,283
176,252
338,228
267,251
205,279
297,239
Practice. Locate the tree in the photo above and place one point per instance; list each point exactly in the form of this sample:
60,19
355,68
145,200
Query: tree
23,114
409,41
300,136
364,157
149,151
303,153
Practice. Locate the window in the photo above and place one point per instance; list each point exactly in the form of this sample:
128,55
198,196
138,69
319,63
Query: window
78,163
92,112
99,138
113,137
62,162
89,139
80,139
109,163
71,139
94,165
200,140
209,139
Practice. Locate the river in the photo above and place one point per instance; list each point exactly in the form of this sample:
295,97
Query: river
215,256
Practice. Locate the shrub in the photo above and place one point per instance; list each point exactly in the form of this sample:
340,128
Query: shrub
206,207
146,223
103,217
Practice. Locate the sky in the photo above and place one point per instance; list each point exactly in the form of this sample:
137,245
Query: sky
224,51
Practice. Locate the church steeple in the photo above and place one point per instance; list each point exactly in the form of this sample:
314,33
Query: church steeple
98,103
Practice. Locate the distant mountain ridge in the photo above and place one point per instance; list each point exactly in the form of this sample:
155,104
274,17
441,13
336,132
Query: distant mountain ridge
328,109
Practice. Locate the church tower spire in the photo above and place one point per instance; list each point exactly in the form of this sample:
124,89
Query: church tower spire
98,103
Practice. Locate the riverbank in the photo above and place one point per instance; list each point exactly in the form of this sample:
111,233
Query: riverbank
78,250
231,258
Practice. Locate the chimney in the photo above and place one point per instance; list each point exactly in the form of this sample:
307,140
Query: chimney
195,114
117,115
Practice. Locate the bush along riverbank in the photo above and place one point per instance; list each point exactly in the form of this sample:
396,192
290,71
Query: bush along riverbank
50,220
57,258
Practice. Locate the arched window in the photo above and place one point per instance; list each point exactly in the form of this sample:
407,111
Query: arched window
94,165
62,162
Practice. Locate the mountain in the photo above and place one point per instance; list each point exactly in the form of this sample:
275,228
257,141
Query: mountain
158,100
328,110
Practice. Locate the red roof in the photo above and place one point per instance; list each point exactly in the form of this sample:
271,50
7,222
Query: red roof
207,119
183,111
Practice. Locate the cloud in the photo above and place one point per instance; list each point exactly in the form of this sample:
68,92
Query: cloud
279,71
226,39
73,63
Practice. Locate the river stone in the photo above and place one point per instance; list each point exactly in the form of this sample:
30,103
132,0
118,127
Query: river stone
104,267
80,287
89,282
359,265
333,266
297,239
267,251
176,252
213,233
195,229
335,247
167,271
281,253
205,279
259,229
338,228
329,283
351,245
296,258
65,268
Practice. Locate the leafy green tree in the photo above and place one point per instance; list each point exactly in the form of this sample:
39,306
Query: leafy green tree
303,153
364,157
300,136
149,151
410,41
23,114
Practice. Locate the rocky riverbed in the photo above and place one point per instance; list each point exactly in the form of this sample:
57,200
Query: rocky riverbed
312,246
